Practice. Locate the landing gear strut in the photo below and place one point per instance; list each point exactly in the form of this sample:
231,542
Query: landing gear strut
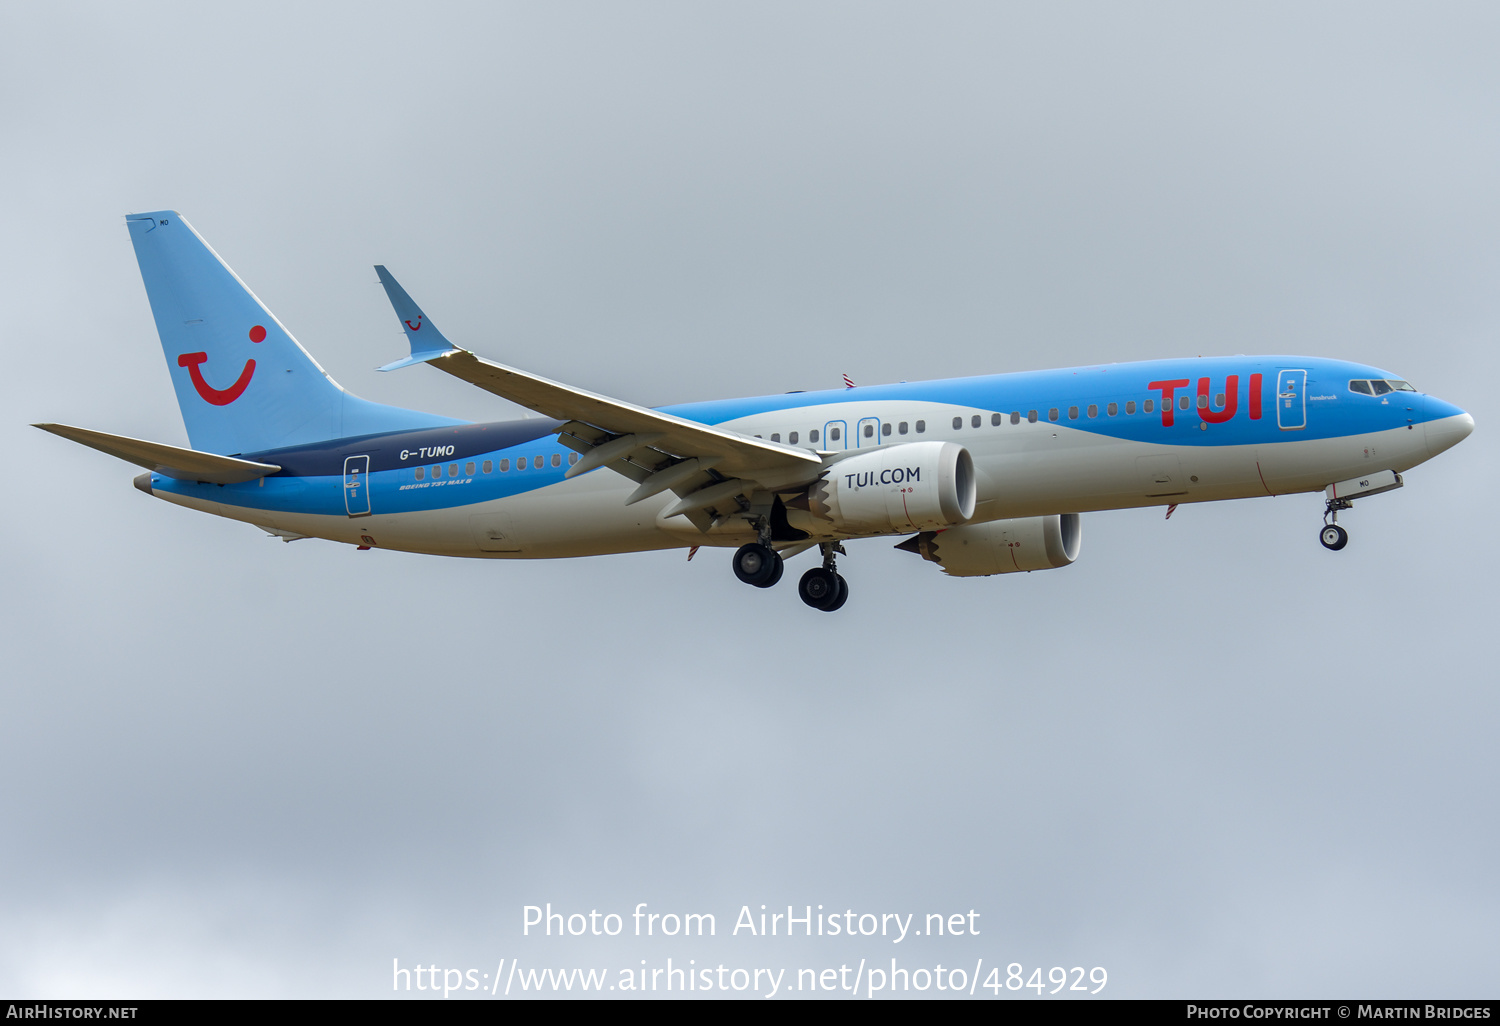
758,564
1333,536
823,587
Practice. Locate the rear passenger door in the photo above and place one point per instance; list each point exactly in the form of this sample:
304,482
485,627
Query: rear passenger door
357,485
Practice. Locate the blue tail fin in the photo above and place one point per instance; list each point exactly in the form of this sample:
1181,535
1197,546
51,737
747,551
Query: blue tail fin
243,382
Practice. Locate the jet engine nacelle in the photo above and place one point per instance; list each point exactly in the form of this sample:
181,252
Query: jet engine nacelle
918,486
1001,546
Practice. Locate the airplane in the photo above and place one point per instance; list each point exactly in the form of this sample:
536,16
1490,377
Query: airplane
979,475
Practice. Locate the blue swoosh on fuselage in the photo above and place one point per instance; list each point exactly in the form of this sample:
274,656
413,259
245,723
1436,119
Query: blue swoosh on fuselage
1344,413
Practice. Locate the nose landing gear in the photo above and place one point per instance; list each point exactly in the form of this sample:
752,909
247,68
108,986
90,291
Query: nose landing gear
1333,536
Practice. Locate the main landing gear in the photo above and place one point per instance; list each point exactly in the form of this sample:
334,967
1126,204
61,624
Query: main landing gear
822,587
758,565
1333,536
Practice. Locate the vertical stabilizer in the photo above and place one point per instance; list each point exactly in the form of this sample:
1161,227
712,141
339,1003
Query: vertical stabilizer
243,382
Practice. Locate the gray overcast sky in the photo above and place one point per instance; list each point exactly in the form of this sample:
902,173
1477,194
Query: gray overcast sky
1210,756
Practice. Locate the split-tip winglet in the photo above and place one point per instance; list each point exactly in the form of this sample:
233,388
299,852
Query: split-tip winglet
427,342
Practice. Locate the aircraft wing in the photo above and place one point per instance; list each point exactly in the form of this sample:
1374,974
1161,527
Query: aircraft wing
183,464
646,445
708,468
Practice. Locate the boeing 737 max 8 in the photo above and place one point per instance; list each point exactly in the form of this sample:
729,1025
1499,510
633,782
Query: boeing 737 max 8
985,475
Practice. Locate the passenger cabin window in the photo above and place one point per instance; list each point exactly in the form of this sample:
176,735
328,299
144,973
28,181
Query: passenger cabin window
557,459
1219,400
504,466
1093,409
1202,402
976,420
995,419
1015,418
812,436
869,430
1130,408
1113,409
775,436
437,472
469,469
885,429
958,423
572,458
1072,413
520,462
1150,406
453,470
921,426
421,473
489,466
792,438
834,434
901,427
1031,416
1052,414
1183,402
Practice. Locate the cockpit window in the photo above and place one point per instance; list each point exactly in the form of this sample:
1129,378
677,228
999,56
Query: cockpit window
1378,387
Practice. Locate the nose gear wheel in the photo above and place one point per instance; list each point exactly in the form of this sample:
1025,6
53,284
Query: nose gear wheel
1333,537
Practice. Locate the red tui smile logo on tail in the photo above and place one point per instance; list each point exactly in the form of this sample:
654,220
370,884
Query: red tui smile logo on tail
217,396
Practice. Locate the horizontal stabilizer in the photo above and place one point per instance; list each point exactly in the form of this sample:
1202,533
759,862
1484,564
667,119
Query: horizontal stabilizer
426,341
183,464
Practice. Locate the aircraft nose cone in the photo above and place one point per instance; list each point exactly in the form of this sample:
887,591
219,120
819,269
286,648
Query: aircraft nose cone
1446,432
